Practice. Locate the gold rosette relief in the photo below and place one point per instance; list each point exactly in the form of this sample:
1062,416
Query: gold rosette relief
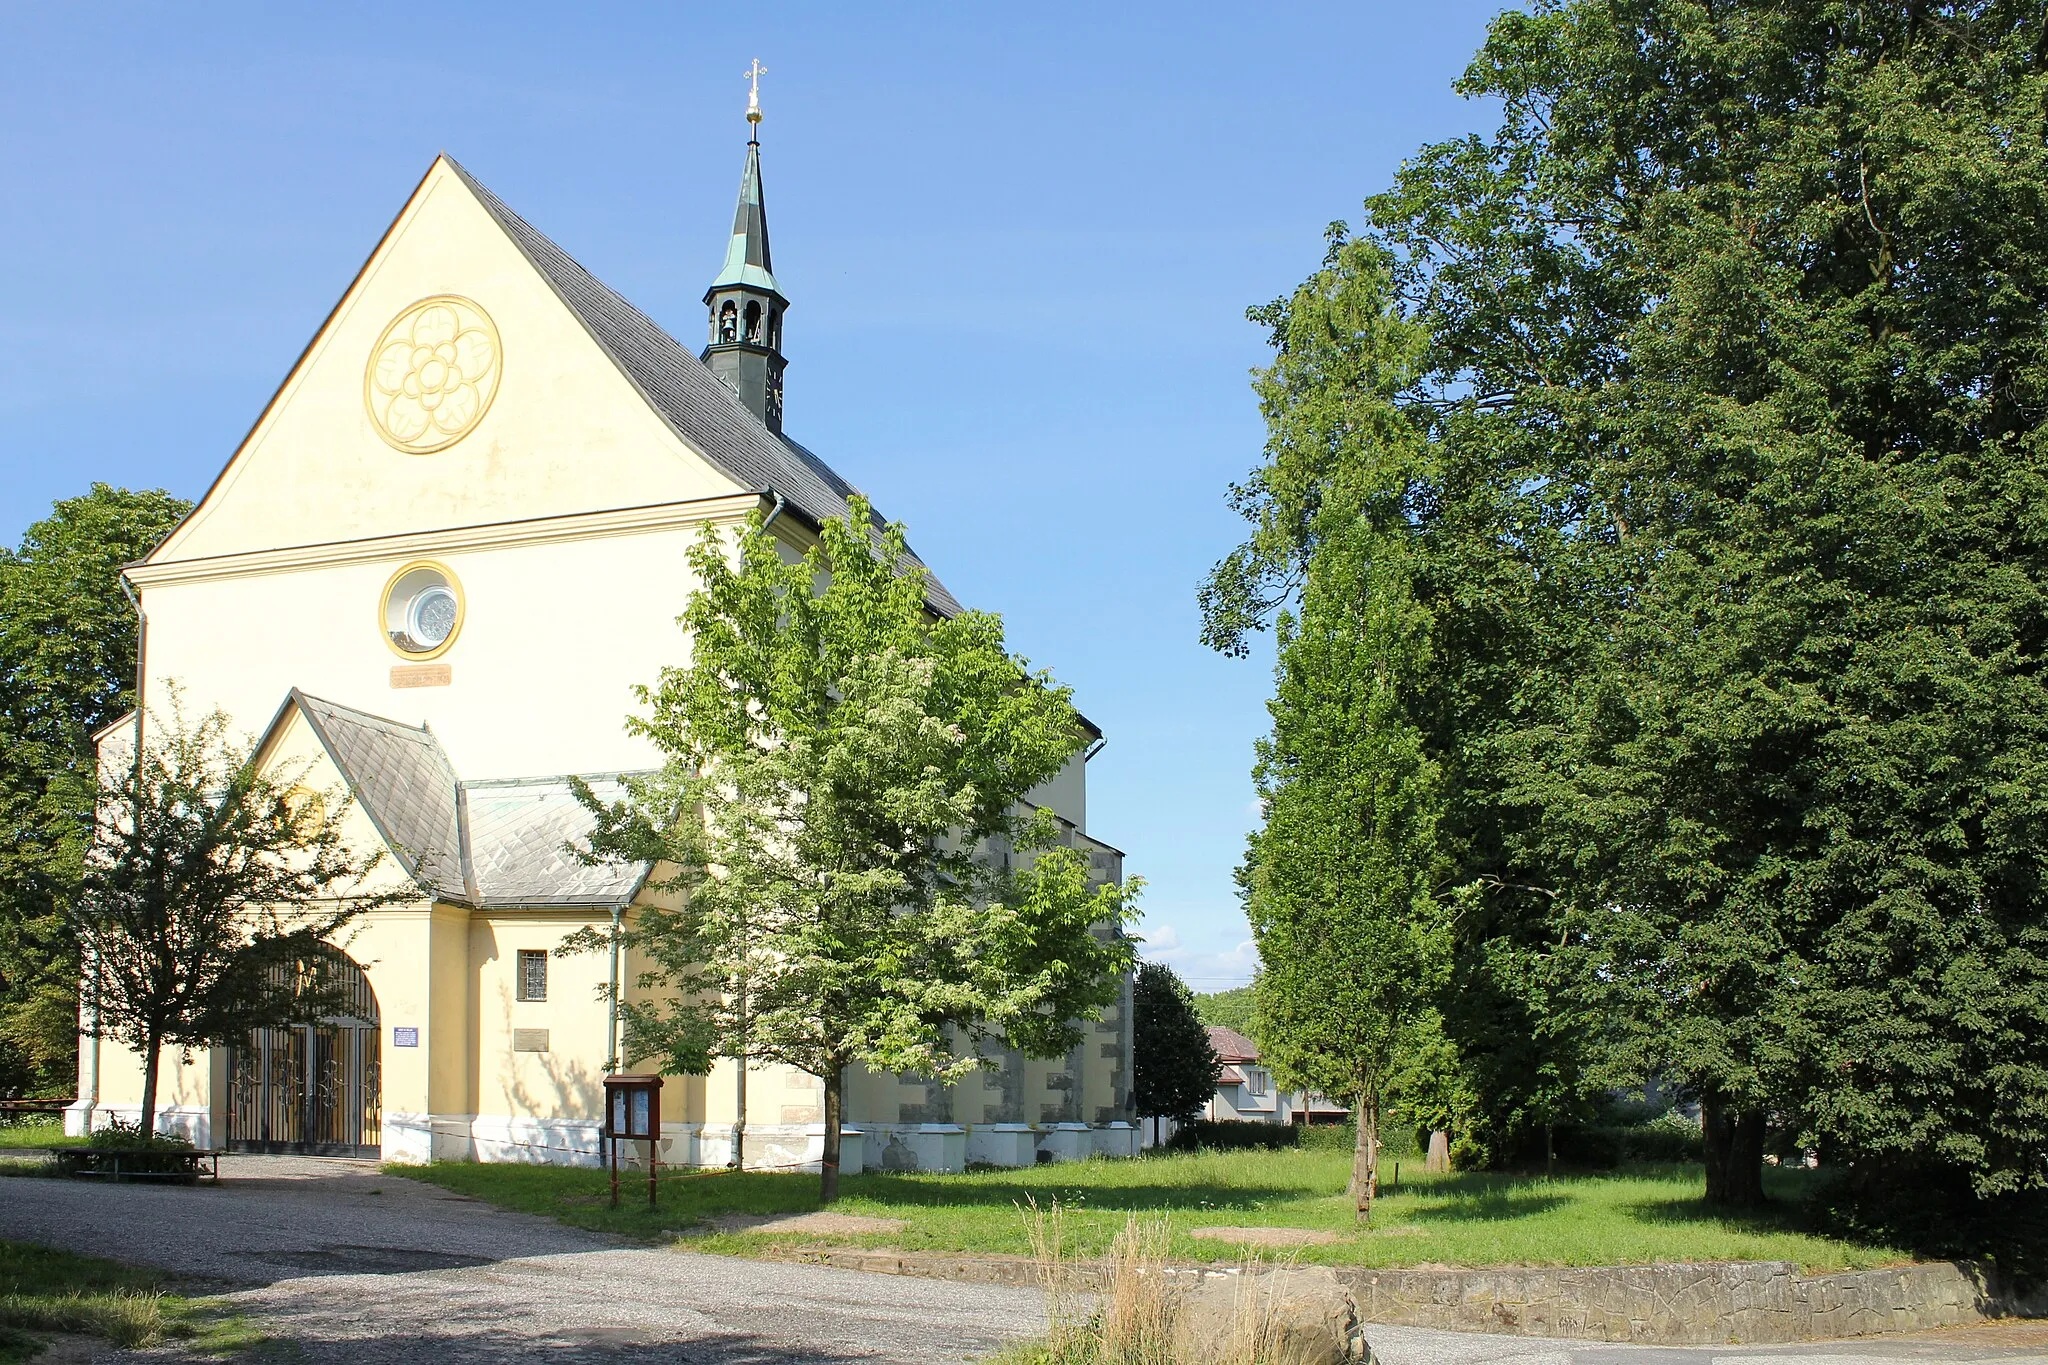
433,374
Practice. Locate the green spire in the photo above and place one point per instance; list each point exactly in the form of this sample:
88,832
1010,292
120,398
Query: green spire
747,263
746,305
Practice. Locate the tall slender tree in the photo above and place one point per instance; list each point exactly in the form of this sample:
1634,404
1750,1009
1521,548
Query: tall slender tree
843,806
1345,879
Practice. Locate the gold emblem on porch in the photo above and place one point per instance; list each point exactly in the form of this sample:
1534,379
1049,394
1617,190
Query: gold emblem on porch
432,374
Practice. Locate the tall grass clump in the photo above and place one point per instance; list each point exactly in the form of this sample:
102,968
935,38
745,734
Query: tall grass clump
129,1319
1126,1308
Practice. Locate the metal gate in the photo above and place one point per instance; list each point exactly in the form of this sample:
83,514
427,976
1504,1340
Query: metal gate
312,1088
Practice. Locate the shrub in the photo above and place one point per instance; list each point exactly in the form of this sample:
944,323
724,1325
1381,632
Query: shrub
1234,1135
1396,1144
1666,1140
141,1153
129,1136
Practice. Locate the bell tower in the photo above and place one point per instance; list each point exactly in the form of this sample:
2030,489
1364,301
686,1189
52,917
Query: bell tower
746,307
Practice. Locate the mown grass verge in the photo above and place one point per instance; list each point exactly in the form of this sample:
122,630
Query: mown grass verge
1628,1218
42,1290
38,1131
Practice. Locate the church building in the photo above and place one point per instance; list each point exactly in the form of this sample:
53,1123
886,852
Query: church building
431,576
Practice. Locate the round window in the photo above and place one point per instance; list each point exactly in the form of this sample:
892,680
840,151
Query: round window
422,610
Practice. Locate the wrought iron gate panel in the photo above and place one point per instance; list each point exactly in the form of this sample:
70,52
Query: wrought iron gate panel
314,1088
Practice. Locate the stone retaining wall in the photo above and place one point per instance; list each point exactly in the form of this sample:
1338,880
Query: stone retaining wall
1714,1304
1749,1302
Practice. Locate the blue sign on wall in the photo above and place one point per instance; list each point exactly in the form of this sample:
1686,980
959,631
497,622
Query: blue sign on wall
405,1037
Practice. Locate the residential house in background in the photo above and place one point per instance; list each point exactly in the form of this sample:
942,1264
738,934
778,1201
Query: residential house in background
1245,1091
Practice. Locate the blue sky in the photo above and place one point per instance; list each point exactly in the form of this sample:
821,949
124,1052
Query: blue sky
1019,242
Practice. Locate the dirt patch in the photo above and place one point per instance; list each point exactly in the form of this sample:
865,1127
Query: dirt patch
1266,1237
810,1224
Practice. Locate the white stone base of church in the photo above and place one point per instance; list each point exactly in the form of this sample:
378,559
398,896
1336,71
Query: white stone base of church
418,1138
194,1124
415,1139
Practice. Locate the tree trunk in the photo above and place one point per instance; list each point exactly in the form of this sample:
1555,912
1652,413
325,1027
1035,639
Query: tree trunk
1365,1157
828,1167
152,1061
739,1127
1734,1143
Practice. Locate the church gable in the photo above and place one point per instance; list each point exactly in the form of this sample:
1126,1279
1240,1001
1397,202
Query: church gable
453,385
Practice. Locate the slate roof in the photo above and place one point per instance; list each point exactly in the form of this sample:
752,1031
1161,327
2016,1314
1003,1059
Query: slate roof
695,403
519,833
484,844
1231,1045
401,778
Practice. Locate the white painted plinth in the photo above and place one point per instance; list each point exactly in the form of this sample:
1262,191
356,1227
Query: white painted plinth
1067,1142
1116,1139
1002,1144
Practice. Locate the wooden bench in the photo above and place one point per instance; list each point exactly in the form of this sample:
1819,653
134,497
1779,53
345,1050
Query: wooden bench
107,1163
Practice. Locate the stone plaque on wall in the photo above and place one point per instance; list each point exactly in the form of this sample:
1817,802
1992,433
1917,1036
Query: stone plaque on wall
529,1040
421,675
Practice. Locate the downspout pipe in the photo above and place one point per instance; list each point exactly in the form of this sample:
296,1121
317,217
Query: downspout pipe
611,1041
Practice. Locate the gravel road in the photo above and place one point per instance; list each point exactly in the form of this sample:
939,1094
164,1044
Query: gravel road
356,1266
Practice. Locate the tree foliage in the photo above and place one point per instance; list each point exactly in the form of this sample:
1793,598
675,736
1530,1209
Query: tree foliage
1728,358
209,894
1174,1069
1344,878
841,817
67,668
1231,1009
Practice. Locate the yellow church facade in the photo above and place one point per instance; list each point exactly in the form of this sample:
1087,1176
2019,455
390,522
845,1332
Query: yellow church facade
430,577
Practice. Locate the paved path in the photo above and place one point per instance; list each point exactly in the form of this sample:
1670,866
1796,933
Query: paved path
361,1267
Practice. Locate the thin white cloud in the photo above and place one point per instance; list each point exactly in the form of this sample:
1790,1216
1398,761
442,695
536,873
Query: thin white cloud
1213,962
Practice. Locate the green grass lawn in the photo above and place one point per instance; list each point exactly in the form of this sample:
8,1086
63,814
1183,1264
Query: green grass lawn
36,1132
54,1291
1467,1220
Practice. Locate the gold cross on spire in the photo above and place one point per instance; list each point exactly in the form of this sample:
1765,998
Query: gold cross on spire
754,74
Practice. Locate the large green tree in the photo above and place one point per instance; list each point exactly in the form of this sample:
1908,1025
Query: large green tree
1733,379
861,880
1798,802
67,668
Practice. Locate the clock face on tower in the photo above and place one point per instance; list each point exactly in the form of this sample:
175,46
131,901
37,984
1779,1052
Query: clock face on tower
432,374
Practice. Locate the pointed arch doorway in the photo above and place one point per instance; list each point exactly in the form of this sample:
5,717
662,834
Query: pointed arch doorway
314,1089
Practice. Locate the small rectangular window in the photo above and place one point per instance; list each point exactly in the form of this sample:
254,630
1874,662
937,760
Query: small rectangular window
533,974
1255,1080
